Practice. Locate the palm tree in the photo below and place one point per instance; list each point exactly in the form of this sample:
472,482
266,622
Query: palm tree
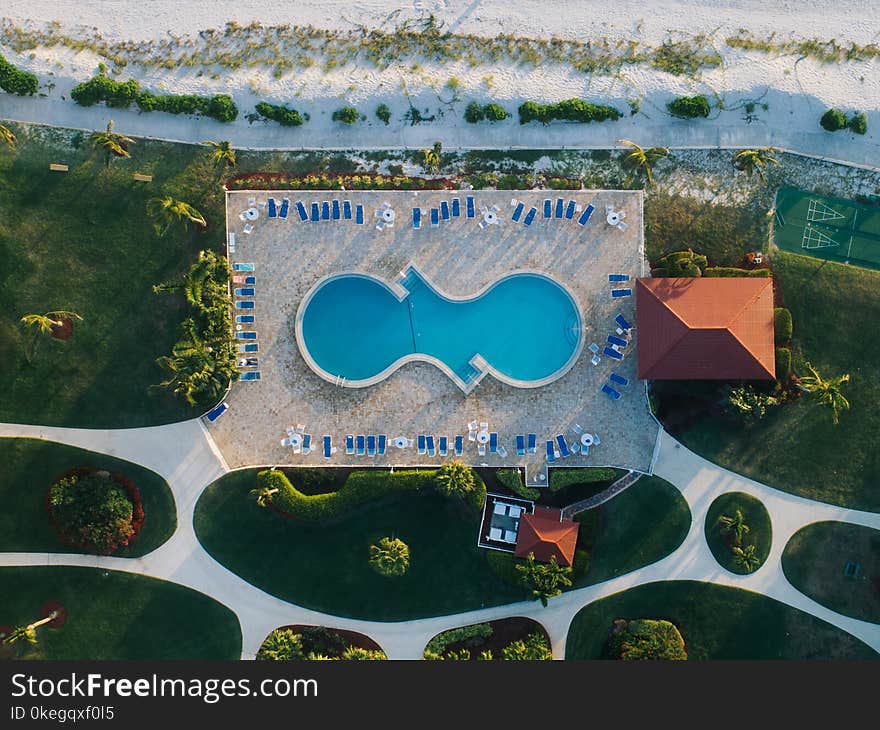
545,579
827,392
431,157
746,558
223,155
264,495
112,143
390,557
44,324
194,371
29,632
735,526
455,479
755,160
166,211
7,135
643,159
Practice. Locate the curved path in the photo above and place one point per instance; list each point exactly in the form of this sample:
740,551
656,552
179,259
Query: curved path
185,456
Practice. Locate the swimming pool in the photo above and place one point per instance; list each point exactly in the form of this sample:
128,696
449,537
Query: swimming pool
354,330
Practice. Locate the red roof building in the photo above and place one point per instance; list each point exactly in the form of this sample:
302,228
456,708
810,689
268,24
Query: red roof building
546,534
705,328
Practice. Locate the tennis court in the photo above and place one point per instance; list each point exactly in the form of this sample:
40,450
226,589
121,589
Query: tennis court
827,228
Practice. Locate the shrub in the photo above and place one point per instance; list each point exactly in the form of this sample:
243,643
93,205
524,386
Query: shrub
730,271
546,580
285,116
680,263
570,110
455,479
833,119
782,325
357,653
512,479
94,511
689,107
640,639
222,108
535,647
495,112
282,645
314,642
17,81
390,557
783,363
437,645
346,115
747,403
859,123
561,478
474,113
383,113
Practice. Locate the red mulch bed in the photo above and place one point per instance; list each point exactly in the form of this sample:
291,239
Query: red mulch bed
64,330
351,638
504,632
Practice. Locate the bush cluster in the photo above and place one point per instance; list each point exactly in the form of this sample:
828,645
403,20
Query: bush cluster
437,645
782,325
731,271
312,643
858,123
635,639
680,263
747,403
383,113
16,81
512,479
285,116
280,181
570,110
476,112
346,115
689,107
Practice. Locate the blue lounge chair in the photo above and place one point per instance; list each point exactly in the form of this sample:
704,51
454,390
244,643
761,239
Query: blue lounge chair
249,347
520,445
493,442
421,444
245,335
349,445
334,213
250,280
360,445
346,210
459,445
371,445
533,442
417,217
244,319
563,447
569,210
617,293
585,216
444,210
618,277
558,211
548,208
551,452
307,443
252,375
245,291
245,304
285,208
614,354
359,214
624,325
216,412
325,211
617,341
435,217
456,207
430,440
301,210
610,392
316,213
442,445
470,206
517,212
530,216
242,267
380,448
273,210
328,447
618,379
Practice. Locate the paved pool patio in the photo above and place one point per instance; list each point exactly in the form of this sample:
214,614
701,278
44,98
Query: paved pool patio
289,256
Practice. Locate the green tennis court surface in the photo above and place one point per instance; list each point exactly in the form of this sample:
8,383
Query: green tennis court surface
827,228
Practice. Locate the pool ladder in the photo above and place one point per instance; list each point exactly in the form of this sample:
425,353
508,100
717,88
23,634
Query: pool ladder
340,381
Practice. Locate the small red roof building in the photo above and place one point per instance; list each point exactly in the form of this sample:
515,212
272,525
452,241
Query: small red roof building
546,534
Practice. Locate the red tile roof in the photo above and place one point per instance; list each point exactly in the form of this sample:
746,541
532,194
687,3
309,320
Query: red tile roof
545,534
705,328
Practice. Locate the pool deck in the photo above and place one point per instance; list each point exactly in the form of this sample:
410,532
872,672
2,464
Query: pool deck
290,256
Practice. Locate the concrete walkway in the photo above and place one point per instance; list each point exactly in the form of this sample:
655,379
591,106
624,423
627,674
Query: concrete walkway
183,454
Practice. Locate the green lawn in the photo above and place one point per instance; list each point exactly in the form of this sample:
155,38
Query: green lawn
81,241
756,517
112,615
796,447
814,561
716,622
641,525
324,566
30,466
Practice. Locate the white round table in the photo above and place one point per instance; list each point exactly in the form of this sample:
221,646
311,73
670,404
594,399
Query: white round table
490,217
388,215
483,437
252,214
399,442
295,440
586,439
613,218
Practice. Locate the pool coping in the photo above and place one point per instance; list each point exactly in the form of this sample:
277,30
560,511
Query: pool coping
478,362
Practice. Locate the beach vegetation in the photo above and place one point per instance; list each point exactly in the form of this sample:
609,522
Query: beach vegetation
689,107
833,120
858,123
285,116
17,81
383,113
570,110
346,115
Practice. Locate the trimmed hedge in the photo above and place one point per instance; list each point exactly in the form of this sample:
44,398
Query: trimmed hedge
511,479
16,81
782,325
689,107
783,363
561,478
833,119
285,116
731,271
570,110
680,263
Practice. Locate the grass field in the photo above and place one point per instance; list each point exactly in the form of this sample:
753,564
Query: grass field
81,241
716,622
796,447
113,615
814,560
325,566
756,517
30,467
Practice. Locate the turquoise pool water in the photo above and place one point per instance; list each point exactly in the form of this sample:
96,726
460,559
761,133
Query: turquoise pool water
526,327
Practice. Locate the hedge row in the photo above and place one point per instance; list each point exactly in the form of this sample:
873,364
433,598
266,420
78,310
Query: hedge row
561,478
123,93
476,112
280,181
285,116
834,119
729,271
16,81
570,110
511,479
